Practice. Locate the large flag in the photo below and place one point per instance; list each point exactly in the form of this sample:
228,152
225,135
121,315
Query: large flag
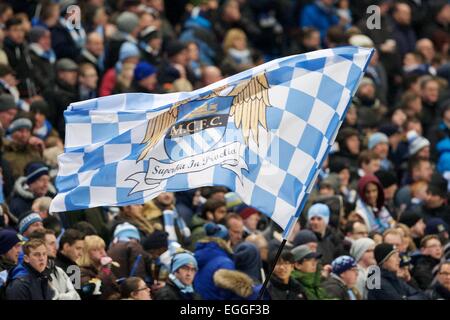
262,133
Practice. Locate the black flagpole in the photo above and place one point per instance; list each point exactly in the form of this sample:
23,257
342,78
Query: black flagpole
266,282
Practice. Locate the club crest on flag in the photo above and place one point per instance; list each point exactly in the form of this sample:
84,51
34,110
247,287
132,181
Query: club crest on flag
193,132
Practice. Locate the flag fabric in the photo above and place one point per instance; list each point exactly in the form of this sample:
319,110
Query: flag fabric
262,133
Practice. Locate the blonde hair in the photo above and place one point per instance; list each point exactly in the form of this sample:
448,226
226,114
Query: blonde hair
90,243
407,234
231,36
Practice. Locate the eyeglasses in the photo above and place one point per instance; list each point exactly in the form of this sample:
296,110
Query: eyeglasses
141,289
445,273
188,268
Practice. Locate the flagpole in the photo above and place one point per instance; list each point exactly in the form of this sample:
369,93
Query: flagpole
266,282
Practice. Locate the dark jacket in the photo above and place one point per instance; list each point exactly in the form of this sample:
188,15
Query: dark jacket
394,288
423,271
28,284
280,291
337,289
330,245
171,292
108,286
43,72
127,254
312,284
438,292
63,43
64,262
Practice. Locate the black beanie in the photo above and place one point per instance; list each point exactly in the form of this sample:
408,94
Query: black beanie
156,240
410,217
387,178
383,251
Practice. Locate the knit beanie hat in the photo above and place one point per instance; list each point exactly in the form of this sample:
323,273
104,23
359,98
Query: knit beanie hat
28,220
303,237
20,123
143,70
36,33
319,210
377,138
126,231
8,239
35,170
127,22
360,246
387,178
7,102
216,230
247,211
156,240
383,251
128,50
182,259
342,264
416,142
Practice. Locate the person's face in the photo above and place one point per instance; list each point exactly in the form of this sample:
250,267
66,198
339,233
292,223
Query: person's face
8,14
283,270
16,34
382,149
96,254
240,43
149,83
392,263
232,12
50,243
13,253
371,193
312,246
101,17
89,78
353,144
166,198
193,52
142,292
403,14
326,190
349,277
40,186
344,177
419,228
95,45
186,274
46,41
307,265
69,77
219,214
373,166
6,117
389,192
394,239
33,227
444,276
155,44
211,75
368,258
219,196
181,58
359,231
75,251
433,248
235,231
21,136
313,41
37,258
425,46
430,92
424,153
399,117
423,171
252,222
317,224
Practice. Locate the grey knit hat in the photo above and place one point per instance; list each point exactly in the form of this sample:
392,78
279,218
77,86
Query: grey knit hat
7,102
127,22
36,33
20,123
360,246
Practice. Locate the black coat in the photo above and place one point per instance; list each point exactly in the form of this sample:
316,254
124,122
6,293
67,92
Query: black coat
64,262
171,292
330,245
337,289
280,291
438,292
43,72
30,285
63,44
423,271
394,288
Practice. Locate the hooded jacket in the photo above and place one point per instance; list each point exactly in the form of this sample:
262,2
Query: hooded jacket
211,254
337,289
127,254
26,283
171,292
311,283
423,271
61,283
239,285
280,291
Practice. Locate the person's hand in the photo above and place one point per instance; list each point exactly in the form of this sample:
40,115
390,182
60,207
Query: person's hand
326,270
37,143
388,46
157,285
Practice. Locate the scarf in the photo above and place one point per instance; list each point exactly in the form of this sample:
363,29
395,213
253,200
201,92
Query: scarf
48,55
43,131
240,56
97,61
147,48
183,288
78,37
170,218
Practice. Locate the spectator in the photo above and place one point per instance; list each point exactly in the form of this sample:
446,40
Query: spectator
320,15
70,250
29,223
94,52
144,78
362,252
179,286
379,143
403,33
250,217
10,248
30,281
306,237
441,290
431,250
235,227
134,288
87,81
248,260
213,211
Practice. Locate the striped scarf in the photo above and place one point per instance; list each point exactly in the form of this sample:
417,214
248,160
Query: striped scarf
170,218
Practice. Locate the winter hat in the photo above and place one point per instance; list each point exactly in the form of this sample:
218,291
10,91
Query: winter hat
377,138
66,64
436,226
174,48
232,199
28,220
361,40
410,217
35,170
360,246
332,181
416,142
248,260
319,210
20,123
7,102
387,178
216,230
156,240
128,50
182,259
438,185
36,33
149,33
304,252
40,106
383,251
389,129
143,70
342,264
247,211
338,164
303,237
8,239
127,22
126,231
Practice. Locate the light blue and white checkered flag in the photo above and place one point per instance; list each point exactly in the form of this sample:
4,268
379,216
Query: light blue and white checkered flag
262,133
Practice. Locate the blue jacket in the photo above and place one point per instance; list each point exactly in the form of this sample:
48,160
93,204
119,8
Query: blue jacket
443,148
25,283
320,18
211,254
